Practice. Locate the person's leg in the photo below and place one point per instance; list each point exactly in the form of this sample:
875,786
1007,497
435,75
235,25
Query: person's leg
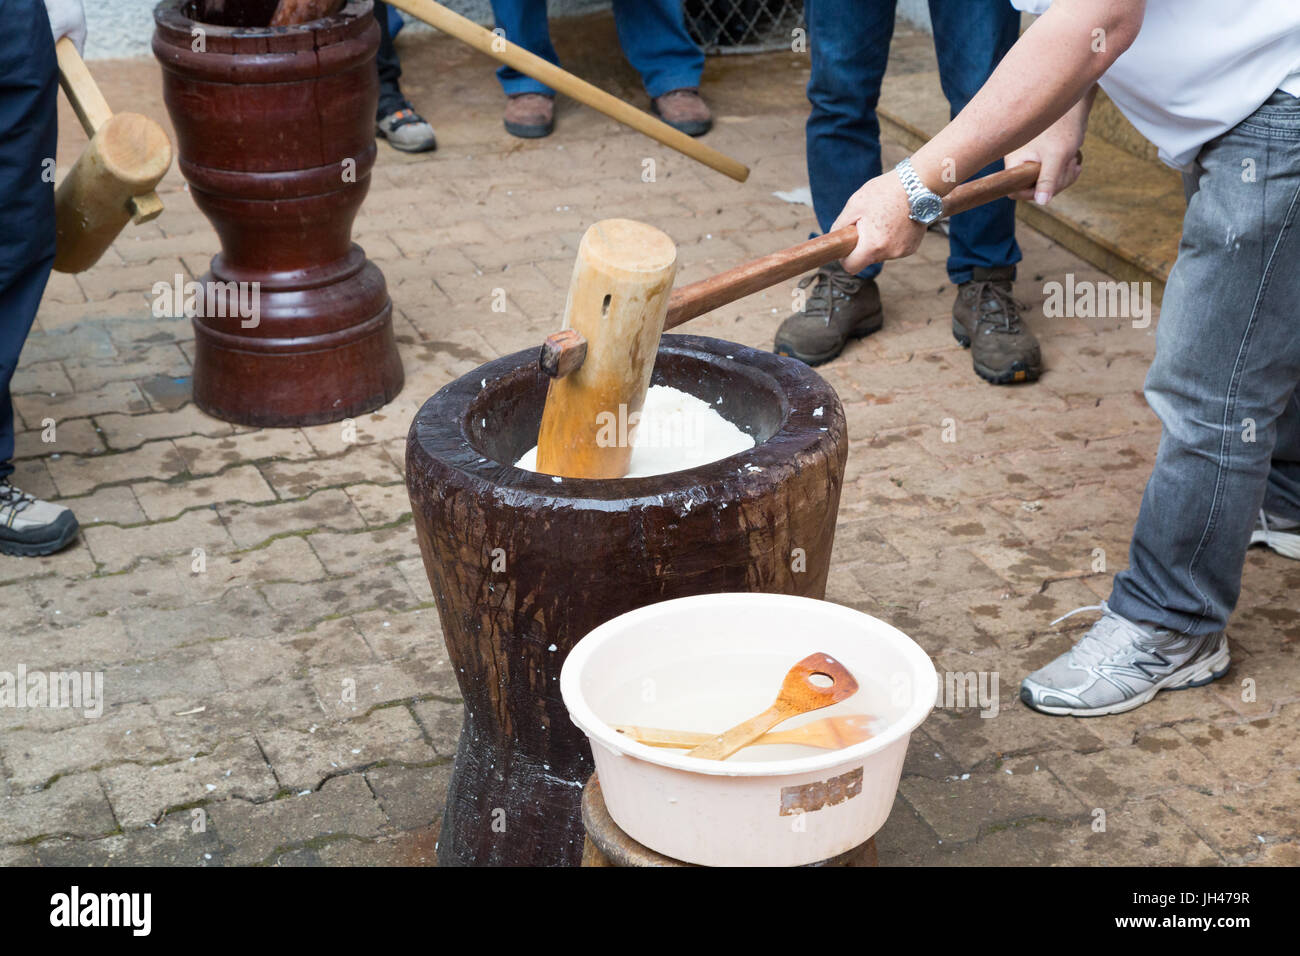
654,40
1226,369
1278,527
389,66
28,138
1282,500
848,42
395,118
524,23
970,39
1223,384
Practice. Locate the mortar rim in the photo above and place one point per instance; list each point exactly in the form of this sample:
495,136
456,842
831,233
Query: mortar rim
171,14
800,430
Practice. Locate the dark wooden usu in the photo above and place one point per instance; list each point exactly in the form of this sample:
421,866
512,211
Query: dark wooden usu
522,566
275,131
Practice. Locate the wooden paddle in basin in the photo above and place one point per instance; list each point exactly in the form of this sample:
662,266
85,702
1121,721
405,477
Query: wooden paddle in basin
817,681
829,733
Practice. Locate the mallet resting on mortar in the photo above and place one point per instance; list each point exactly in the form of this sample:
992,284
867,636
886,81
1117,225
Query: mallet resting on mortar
618,306
617,300
564,352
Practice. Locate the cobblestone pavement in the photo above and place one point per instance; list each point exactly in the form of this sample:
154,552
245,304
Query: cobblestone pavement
221,686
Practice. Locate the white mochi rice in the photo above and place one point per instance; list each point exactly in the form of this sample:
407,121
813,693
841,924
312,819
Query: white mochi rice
676,431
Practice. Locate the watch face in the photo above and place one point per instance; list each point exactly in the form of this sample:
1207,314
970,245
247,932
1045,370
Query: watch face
927,209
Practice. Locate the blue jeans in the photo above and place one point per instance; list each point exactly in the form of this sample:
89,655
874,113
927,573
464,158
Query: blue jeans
28,130
1224,378
849,42
652,33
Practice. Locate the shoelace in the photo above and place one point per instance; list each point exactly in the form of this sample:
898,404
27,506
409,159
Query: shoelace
12,498
997,306
818,303
1109,635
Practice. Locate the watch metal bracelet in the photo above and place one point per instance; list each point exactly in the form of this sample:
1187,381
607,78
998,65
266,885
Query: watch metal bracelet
925,206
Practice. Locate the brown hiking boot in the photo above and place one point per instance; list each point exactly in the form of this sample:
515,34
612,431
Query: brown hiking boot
986,319
684,110
840,307
530,115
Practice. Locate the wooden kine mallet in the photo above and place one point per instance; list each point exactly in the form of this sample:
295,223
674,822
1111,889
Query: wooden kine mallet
618,306
113,179
565,351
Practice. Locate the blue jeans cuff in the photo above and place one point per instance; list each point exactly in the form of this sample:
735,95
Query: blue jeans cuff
677,81
525,84
965,275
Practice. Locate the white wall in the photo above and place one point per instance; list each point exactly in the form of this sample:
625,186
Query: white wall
118,28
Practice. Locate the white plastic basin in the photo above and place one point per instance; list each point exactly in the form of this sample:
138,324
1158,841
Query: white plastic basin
705,664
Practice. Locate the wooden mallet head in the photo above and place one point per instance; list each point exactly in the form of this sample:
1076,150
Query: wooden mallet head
113,180
618,298
126,158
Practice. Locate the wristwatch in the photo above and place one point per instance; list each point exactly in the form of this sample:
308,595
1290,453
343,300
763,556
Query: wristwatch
926,206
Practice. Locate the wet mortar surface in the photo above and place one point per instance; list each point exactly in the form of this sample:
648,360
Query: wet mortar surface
276,688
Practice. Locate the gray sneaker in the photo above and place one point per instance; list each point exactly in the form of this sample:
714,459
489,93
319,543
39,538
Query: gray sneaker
30,527
1279,534
406,130
1119,665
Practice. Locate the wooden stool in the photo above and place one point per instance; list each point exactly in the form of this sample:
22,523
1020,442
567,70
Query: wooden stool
607,845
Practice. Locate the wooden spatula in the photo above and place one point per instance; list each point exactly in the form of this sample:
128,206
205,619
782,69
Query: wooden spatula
829,733
817,681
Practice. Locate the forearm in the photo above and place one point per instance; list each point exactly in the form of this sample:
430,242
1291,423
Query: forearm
1052,70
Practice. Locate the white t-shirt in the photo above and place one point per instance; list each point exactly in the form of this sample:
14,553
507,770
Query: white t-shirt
1200,67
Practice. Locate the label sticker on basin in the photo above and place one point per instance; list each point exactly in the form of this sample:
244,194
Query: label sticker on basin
824,793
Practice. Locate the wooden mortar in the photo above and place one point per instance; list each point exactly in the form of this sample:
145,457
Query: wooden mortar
523,566
275,130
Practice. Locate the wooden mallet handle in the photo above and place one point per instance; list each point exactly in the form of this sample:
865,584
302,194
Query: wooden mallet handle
562,352
544,71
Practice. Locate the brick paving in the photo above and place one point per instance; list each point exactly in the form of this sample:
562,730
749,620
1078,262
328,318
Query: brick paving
223,740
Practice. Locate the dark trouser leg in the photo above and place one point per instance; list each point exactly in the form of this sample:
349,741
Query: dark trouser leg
1224,377
849,45
28,136
390,68
970,38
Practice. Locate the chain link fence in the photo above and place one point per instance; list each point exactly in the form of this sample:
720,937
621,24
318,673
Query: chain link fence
743,26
